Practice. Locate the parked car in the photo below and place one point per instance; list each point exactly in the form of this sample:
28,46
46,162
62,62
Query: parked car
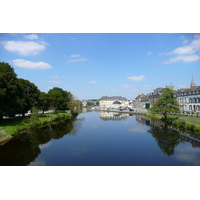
130,109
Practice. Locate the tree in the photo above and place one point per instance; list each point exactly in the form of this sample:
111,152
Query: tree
29,95
57,101
166,104
66,95
75,105
9,91
43,101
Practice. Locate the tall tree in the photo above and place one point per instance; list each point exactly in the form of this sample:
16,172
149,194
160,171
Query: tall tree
43,101
29,95
57,101
166,104
66,95
9,90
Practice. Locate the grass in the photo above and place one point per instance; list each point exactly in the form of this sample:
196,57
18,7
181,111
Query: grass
12,125
190,123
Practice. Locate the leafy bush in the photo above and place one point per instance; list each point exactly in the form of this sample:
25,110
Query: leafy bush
192,127
182,123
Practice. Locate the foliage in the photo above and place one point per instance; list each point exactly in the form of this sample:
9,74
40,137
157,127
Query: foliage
182,123
176,121
18,95
9,90
166,104
59,98
29,95
43,101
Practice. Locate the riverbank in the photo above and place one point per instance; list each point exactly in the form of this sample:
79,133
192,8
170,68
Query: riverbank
13,125
182,122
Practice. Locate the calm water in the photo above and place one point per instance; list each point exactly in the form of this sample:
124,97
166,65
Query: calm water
102,139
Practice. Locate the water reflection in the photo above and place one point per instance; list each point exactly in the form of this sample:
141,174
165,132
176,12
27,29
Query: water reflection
125,140
112,115
25,147
167,137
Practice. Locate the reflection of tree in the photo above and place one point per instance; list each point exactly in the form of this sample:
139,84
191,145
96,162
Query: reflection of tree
24,148
166,138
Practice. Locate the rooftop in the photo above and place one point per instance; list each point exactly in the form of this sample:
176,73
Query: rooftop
113,98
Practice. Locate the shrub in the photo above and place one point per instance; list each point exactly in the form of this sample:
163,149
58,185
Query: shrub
182,123
192,127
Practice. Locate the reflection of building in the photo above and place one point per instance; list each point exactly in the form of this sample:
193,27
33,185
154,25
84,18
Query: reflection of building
114,102
112,115
143,120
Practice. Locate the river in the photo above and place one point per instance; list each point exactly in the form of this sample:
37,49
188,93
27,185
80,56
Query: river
102,139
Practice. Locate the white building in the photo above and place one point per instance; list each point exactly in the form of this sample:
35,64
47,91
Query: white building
189,98
114,102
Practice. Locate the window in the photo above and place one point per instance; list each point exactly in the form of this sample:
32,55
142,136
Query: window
190,107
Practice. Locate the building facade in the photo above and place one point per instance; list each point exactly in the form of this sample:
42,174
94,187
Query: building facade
188,98
114,102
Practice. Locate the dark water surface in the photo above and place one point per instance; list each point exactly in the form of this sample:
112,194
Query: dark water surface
102,139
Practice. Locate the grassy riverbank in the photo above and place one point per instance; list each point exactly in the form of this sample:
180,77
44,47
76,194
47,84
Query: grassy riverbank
184,122
13,125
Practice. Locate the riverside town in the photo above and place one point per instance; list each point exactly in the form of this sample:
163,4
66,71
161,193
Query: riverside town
66,100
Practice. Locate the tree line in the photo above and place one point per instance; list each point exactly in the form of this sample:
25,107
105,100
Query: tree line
18,96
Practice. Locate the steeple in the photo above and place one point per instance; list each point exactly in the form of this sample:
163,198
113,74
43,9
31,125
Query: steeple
192,82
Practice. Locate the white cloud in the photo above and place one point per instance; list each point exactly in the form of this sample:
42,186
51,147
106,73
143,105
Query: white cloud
183,50
74,56
23,48
57,82
31,37
184,58
137,78
186,53
127,86
93,82
54,76
78,60
185,41
149,53
31,65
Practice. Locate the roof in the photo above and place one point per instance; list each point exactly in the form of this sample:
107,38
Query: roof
113,98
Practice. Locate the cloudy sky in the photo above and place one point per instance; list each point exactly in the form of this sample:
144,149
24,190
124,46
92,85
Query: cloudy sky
91,65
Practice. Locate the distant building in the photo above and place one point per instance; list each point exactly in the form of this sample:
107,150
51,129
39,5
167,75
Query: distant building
189,98
114,102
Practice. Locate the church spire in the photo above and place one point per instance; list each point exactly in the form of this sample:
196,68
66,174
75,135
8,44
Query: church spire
192,82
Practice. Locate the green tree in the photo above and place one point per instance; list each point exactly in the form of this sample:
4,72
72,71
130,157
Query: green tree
166,104
43,101
66,95
75,105
29,95
9,91
57,101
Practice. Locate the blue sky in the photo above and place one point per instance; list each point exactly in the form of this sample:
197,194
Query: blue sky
91,65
